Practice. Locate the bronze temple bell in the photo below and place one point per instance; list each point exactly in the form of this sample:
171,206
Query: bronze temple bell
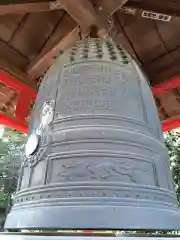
95,155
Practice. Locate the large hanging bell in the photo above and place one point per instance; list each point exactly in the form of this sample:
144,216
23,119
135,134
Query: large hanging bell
95,157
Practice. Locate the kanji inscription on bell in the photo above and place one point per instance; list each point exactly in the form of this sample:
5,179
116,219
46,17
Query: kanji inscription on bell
100,161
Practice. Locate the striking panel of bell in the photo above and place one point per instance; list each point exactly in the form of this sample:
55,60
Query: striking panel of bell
95,156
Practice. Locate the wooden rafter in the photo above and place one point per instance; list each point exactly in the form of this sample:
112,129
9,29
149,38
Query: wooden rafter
165,10
110,7
164,67
53,5
12,55
60,41
85,15
29,7
136,8
164,6
43,61
144,13
83,12
165,73
7,67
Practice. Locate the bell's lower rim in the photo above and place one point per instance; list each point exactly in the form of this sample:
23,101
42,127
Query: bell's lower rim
94,217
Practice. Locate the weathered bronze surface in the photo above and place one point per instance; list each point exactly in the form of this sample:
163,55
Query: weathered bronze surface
100,161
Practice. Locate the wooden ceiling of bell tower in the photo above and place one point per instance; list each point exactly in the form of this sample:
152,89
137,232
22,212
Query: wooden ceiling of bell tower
33,32
28,34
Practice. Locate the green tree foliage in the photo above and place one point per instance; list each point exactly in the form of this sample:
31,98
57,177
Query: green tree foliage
11,147
172,140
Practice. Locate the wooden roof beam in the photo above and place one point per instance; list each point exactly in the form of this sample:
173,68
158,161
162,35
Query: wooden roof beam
164,6
165,74
110,7
7,67
16,8
83,12
136,8
23,8
66,38
164,67
58,4
86,17
166,11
